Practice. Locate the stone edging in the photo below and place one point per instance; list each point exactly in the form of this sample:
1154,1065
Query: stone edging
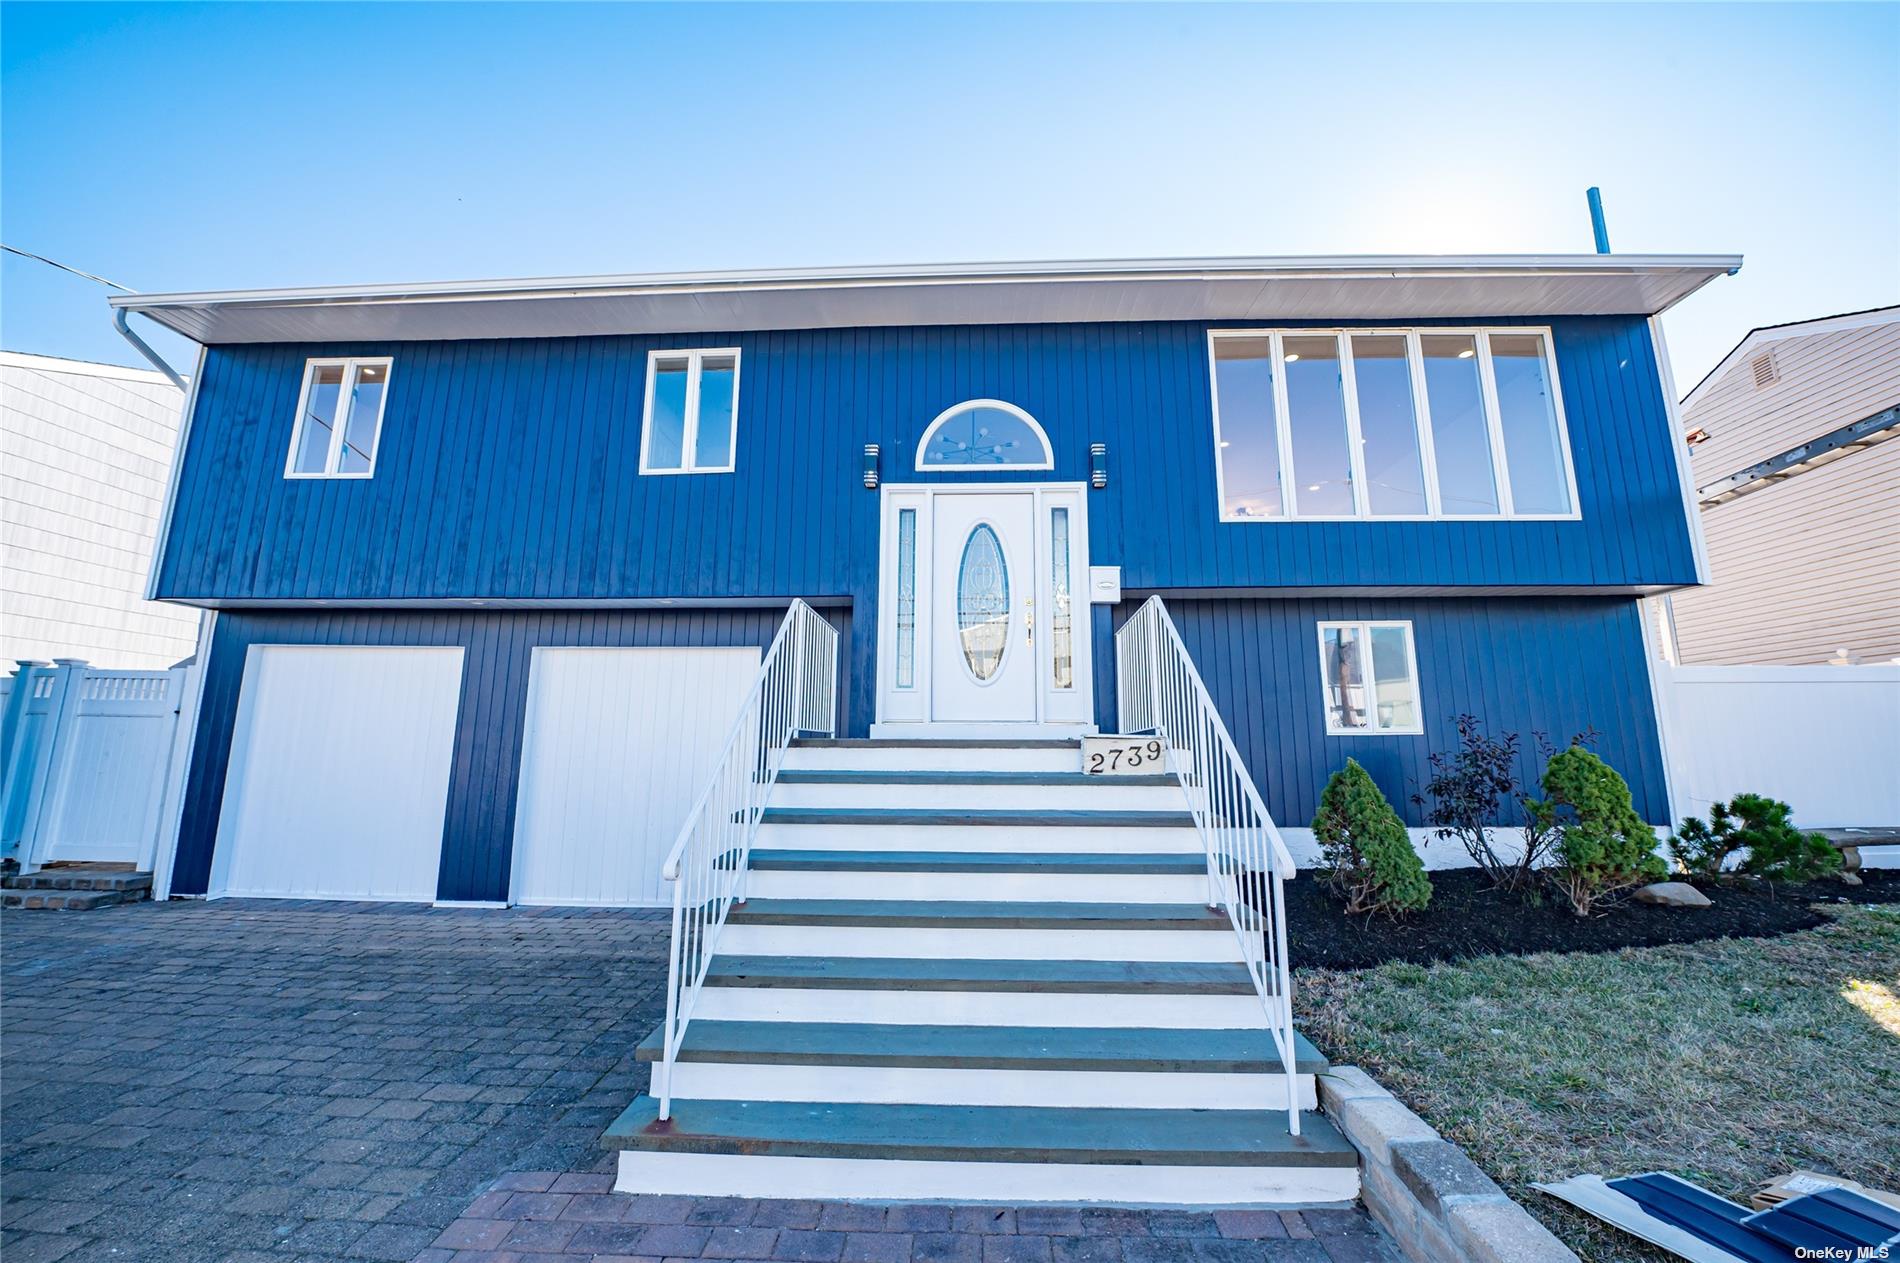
1433,1200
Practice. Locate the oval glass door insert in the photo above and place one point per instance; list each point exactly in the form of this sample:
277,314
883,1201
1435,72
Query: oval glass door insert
983,602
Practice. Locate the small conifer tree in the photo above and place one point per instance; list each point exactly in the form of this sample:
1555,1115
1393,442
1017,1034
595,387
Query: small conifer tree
1369,859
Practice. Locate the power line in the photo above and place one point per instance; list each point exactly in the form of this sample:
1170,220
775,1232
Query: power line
28,254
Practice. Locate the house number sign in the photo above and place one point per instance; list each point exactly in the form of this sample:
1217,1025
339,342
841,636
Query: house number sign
1122,756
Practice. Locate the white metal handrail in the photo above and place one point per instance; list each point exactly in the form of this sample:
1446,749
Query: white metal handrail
1159,691
796,691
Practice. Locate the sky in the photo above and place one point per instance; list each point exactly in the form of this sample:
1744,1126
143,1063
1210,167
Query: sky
182,147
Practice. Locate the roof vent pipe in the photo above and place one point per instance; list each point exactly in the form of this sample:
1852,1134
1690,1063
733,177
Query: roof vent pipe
138,343
1597,226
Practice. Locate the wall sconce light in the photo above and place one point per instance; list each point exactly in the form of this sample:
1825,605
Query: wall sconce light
870,467
1098,465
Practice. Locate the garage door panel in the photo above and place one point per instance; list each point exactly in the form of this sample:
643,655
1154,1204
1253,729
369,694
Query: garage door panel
339,773
617,746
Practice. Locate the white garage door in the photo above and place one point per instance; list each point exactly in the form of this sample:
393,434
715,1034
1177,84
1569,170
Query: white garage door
339,773
617,747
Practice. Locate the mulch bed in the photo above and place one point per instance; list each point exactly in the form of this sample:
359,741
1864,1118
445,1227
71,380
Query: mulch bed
1467,917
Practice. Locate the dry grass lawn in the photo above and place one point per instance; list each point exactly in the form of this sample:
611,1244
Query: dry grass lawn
1726,1062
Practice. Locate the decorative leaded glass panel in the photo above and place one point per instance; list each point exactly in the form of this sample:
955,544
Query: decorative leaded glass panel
906,598
1061,624
983,602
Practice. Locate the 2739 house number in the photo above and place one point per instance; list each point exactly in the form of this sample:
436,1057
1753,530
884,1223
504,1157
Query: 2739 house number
1113,756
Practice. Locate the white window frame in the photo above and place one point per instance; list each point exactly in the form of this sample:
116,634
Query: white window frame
346,405
1364,626
689,434
1421,418
1048,460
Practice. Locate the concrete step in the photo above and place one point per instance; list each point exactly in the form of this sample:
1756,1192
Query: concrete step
1088,877
973,914
978,930
947,755
902,991
939,1064
70,900
858,832
124,882
959,791
1037,977
1013,818
1051,1048
981,1153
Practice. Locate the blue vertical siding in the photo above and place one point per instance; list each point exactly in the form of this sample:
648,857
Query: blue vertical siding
508,469
1552,665
478,830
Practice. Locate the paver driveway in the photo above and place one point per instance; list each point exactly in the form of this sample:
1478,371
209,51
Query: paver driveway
261,1080
193,1080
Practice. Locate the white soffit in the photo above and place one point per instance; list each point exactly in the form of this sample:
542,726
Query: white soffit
1348,288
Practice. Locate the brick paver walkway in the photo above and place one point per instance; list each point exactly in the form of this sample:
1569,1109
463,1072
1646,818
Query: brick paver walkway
542,1217
256,1080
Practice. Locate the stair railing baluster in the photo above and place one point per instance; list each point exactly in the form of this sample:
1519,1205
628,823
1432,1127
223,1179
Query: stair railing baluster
1247,860
712,853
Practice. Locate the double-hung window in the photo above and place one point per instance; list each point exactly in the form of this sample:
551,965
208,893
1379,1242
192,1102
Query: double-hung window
690,425
1344,424
339,419
1368,675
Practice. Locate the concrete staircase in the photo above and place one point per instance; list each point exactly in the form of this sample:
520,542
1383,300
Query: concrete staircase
966,972
75,887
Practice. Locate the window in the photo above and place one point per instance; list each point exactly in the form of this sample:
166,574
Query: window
1246,428
906,598
1388,426
1061,617
1316,419
1368,675
984,434
692,412
1533,450
1389,423
339,419
1461,437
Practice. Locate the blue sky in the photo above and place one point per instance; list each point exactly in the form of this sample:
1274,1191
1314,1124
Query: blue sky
183,147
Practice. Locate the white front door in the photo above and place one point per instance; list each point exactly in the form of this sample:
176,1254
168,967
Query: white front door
983,615
983,606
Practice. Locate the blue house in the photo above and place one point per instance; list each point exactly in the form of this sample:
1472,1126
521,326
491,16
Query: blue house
496,566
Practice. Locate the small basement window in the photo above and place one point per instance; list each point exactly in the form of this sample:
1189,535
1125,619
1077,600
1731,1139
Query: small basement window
339,419
692,412
1368,674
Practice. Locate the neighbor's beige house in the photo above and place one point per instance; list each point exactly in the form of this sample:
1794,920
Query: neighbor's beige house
1803,535
85,452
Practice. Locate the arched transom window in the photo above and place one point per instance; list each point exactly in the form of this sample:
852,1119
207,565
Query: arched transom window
984,434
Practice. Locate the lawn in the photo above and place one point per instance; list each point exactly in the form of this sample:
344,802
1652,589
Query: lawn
1726,1061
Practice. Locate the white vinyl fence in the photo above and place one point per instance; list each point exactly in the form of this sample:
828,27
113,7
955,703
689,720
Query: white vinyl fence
91,763
1823,739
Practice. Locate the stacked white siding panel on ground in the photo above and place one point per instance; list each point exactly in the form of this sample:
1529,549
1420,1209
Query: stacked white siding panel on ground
616,747
1821,739
85,451
339,774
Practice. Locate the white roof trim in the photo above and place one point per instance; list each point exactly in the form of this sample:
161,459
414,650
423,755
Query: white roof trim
1777,333
83,368
1327,288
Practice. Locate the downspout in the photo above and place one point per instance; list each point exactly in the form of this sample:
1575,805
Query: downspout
138,343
